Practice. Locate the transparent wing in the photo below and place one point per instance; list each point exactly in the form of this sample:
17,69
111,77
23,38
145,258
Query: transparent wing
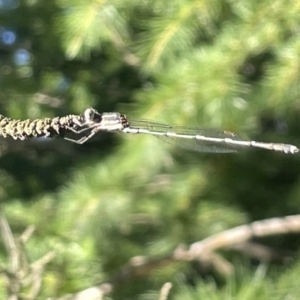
191,143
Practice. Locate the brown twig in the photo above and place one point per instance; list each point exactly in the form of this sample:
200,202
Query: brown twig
165,291
263,253
243,233
13,284
203,252
20,272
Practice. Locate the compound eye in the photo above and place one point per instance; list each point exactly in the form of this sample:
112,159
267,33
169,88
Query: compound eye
88,115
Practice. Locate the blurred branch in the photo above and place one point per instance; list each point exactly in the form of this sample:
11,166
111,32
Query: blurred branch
243,233
128,56
203,252
48,100
262,252
92,293
20,272
13,285
165,291
24,237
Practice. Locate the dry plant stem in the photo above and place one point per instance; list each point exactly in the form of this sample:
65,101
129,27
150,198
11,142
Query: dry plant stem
92,293
24,129
34,277
27,234
165,291
263,253
20,272
9,243
202,251
243,233
13,285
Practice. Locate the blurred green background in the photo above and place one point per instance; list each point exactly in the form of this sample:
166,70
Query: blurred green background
229,64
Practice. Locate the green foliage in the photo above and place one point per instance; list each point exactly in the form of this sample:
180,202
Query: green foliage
247,284
231,65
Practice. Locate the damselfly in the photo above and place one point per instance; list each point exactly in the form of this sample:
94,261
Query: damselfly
203,140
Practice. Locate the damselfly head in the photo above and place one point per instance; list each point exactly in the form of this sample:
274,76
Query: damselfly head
91,116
